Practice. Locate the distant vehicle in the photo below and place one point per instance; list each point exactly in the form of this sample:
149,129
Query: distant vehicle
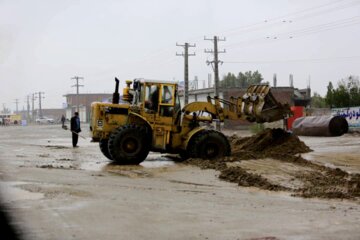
7,119
44,120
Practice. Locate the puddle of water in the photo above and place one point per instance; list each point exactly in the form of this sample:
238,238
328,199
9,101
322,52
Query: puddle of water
157,164
10,192
156,160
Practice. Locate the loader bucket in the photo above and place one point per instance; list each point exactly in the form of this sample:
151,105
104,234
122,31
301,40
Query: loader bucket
260,105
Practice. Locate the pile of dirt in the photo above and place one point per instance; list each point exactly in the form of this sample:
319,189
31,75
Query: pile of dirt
330,183
266,144
277,144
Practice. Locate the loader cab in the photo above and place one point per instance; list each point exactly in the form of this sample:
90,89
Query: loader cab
161,108
161,99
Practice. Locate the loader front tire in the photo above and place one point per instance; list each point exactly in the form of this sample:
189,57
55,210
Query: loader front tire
209,144
103,144
129,144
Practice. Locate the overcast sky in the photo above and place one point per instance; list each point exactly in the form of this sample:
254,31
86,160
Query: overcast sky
44,43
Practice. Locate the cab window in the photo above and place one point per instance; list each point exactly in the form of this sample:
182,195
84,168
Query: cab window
167,95
152,97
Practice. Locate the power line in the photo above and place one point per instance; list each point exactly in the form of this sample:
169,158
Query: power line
265,24
325,26
302,32
302,14
296,60
186,68
325,11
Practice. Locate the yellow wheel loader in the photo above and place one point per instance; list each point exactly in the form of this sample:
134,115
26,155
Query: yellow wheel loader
149,118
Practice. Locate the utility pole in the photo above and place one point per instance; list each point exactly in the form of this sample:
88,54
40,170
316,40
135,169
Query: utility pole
32,107
28,108
215,62
17,104
40,97
77,90
215,65
186,68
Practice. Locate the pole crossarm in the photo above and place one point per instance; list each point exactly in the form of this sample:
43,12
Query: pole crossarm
77,85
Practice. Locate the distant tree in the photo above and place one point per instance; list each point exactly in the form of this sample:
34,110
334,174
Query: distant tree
353,86
347,94
242,79
228,81
329,98
317,101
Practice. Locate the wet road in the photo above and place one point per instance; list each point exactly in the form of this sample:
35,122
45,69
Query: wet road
57,192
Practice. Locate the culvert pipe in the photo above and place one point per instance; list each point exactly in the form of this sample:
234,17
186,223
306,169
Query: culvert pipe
320,126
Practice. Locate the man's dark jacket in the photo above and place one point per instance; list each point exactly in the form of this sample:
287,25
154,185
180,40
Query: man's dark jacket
75,124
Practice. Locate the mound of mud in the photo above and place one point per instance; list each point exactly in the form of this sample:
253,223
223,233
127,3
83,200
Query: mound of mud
278,145
266,144
246,179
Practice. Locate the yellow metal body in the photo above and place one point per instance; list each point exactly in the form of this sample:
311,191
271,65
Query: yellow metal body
15,118
156,106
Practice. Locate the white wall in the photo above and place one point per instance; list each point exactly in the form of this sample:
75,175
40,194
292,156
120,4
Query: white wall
352,115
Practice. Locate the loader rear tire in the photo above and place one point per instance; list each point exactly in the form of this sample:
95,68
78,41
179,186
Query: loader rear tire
129,144
209,144
103,144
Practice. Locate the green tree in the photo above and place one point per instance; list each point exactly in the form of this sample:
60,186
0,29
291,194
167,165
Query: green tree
341,96
242,79
353,85
329,98
317,101
347,94
228,81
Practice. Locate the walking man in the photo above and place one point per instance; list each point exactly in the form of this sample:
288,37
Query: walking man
75,128
63,120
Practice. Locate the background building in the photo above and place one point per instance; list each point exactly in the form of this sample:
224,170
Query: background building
85,100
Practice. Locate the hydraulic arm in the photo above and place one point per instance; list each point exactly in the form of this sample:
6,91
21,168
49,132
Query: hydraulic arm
256,105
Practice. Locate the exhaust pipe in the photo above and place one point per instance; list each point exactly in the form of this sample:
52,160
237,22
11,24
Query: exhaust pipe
116,95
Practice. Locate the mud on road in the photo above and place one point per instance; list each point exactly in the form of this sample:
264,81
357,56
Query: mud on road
259,161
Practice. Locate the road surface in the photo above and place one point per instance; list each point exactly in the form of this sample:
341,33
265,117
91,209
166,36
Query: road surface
54,191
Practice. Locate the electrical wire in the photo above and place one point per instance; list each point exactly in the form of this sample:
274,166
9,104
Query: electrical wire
346,58
265,24
300,32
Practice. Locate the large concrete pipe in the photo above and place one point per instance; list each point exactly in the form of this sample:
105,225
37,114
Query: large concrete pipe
320,126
